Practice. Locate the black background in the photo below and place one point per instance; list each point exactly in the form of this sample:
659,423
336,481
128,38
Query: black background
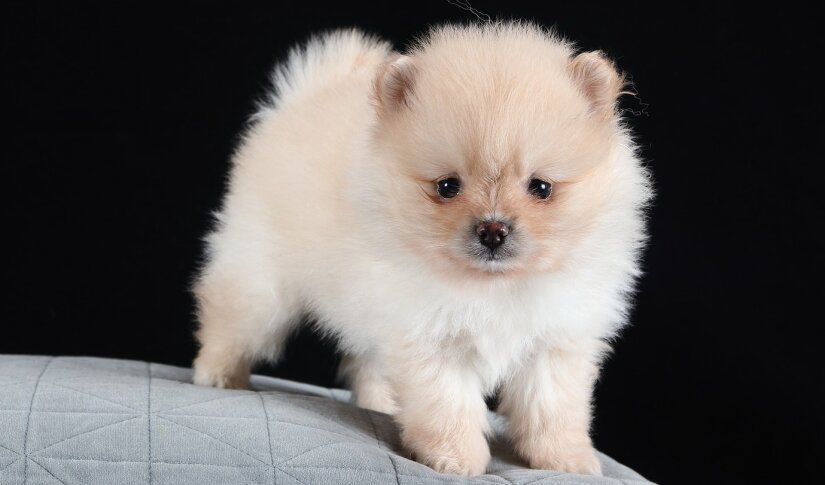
120,122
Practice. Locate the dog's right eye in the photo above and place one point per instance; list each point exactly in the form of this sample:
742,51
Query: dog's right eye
448,188
540,189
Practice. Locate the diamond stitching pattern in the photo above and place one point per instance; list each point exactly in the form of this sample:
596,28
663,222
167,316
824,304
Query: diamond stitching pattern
56,426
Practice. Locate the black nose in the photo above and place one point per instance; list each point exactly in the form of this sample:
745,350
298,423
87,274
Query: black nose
492,233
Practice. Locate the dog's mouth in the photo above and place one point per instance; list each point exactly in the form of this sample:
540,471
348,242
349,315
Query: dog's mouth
498,260
496,255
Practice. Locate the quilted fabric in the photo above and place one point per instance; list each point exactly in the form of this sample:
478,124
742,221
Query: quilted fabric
73,421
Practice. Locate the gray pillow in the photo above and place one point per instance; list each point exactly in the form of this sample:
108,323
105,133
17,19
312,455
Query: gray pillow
68,420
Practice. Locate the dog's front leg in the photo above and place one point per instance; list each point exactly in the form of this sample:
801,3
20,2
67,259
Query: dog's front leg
547,404
442,413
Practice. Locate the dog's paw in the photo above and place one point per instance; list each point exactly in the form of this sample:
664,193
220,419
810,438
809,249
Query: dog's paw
579,459
216,376
457,465
468,456
375,395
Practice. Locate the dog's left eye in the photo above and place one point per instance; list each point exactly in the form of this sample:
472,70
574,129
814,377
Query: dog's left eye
448,188
539,188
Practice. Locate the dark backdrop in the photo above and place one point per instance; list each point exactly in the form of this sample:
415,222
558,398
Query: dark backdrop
120,122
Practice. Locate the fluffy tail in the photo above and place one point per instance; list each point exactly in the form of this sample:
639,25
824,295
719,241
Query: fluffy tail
322,59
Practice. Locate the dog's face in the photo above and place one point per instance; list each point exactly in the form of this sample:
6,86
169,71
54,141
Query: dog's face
497,160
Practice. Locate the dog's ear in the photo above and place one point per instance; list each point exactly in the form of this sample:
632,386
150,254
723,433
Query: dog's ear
599,80
394,84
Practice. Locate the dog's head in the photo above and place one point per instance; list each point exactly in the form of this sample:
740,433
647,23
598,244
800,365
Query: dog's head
493,137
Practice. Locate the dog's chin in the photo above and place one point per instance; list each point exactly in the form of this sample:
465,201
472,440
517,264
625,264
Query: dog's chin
482,261
494,264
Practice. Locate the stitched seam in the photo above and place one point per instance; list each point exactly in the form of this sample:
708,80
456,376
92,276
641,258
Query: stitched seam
269,437
208,416
141,462
203,402
316,448
334,467
293,476
85,433
372,424
317,429
60,458
28,422
349,433
94,396
10,450
355,436
214,465
84,412
10,464
149,418
47,471
394,469
380,446
216,439
98,377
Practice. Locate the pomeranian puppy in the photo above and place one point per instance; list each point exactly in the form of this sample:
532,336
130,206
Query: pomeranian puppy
463,218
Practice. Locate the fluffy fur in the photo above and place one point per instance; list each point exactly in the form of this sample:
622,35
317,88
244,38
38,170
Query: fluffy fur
333,211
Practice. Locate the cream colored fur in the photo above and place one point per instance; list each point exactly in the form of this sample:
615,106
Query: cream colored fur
332,211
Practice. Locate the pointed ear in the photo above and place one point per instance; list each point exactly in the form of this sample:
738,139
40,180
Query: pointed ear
394,84
599,80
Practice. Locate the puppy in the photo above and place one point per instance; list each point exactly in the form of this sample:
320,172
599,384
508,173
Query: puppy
463,218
